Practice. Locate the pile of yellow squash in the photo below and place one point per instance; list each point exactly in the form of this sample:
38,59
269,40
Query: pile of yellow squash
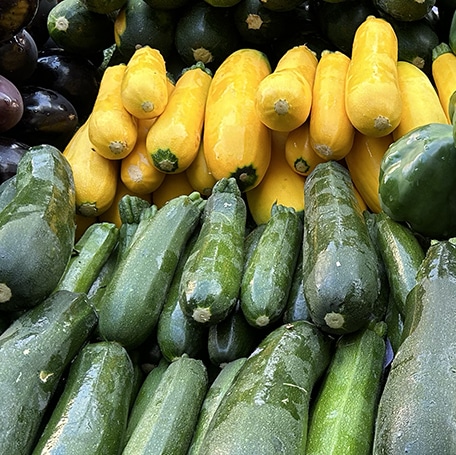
150,137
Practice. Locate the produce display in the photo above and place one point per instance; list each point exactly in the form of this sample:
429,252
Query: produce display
227,227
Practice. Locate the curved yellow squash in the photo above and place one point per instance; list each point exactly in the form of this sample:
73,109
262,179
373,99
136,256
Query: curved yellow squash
198,174
236,143
372,96
331,132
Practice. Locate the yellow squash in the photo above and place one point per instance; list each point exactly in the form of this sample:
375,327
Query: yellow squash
173,185
331,132
372,96
420,101
283,99
173,140
280,184
145,85
95,177
363,162
137,172
299,154
198,174
236,143
444,74
112,128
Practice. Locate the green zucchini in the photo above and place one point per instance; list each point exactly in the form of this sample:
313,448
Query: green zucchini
167,424
7,191
90,253
90,415
232,338
214,395
135,295
266,280
212,274
296,306
177,334
144,396
37,348
340,268
265,410
37,229
417,408
402,255
343,412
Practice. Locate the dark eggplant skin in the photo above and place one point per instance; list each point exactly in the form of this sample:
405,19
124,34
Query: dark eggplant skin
18,57
15,15
11,104
73,76
48,118
38,26
11,151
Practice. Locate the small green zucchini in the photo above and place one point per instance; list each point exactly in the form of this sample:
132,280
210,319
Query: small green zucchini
343,411
340,267
43,208
212,274
90,253
177,334
37,348
135,295
144,396
90,415
232,338
266,280
214,395
167,424
265,410
417,407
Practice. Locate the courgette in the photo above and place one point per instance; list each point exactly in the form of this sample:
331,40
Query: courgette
37,348
37,229
214,395
90,253
265,410
90,415
266,280
416,413
343,412
135,295
168,422
212,274
340,267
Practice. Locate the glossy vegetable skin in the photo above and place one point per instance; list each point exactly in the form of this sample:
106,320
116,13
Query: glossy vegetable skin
427,152
11,104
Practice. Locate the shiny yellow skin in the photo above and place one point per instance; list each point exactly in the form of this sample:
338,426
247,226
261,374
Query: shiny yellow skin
234,137
178,130
444,75
144,88
299,154
198,174
331,132
284,98
112,128
420,101
372,96
363,162
137,172
173,185
280,185
95,177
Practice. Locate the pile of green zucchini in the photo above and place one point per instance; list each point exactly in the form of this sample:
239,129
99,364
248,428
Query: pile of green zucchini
189,330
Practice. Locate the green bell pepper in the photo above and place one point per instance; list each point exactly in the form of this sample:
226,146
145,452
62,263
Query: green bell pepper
417,181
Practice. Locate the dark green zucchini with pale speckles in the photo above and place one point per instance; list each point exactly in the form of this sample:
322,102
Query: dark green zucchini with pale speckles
90,415
36,229
340,267
36,349
265,410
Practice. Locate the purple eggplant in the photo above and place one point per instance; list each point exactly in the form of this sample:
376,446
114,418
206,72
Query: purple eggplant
11,104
